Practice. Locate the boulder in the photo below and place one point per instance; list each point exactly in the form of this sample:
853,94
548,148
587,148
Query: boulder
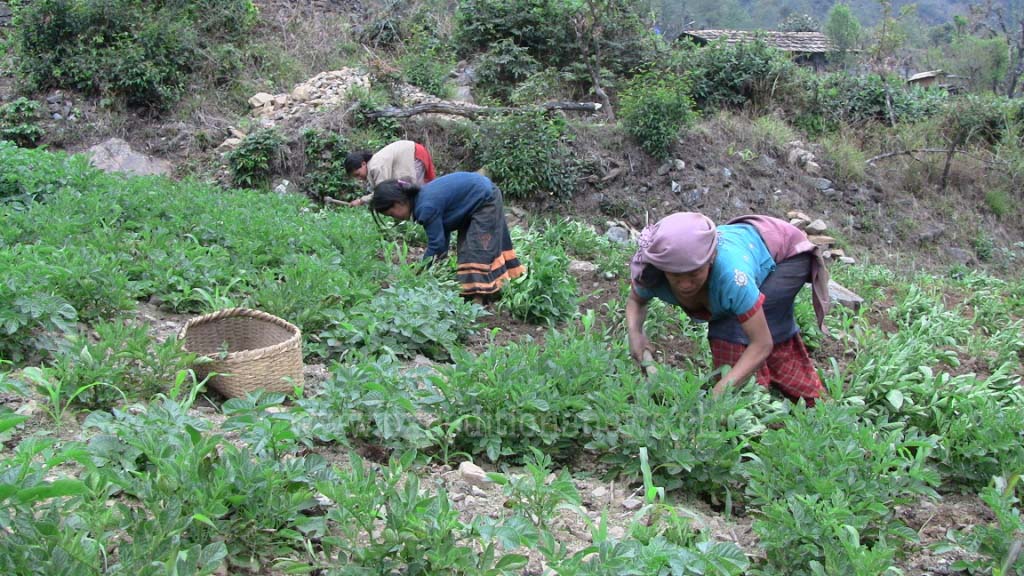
795,156
797,214
819,240
695,198
632,503
821,183
582,269
474,475
116,155
260,99
464,94
959,255
229,144
838,294
283,187
817,227
302,93
929,234
618,234
611,175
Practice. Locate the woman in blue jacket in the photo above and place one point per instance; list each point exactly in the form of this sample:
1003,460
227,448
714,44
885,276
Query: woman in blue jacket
466,202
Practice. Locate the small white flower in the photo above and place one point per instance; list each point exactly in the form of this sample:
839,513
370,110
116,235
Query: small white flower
740,277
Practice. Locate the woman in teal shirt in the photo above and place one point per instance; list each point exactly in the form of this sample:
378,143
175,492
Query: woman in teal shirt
742,278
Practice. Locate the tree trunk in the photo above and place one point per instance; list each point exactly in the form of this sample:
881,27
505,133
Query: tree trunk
471,111
945,169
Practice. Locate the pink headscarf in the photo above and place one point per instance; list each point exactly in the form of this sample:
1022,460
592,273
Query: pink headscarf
678,243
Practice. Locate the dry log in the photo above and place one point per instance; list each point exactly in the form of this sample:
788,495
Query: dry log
473,111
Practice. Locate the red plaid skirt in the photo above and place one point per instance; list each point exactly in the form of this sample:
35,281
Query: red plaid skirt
789,367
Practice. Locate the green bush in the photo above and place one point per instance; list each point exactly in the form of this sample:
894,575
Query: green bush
547,293
427,62
525,395
747,73
18,123
404,321
325,166
654,107
552,34
253,161
503,66
124,359
827,484
848,160
140,52
998,201
542,27
527,155
832,100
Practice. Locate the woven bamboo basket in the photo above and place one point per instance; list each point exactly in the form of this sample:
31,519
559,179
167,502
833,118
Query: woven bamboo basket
248,350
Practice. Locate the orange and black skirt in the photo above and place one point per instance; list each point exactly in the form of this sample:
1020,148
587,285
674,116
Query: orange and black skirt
485,255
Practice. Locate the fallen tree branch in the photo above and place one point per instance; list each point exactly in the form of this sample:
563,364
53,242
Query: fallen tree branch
913,151
873,159
473,111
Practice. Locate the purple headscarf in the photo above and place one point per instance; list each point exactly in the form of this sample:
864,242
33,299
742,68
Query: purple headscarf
678,243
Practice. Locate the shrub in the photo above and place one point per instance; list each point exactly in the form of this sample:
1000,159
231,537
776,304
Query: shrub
525,395
827,484
18,123
548,292
503,66
723,75
380,130
998,201
541,27
252,162
427,62
654,107
984,247
772,134
140,52
124,359
848,159
527,155
325,166
403,321
841,98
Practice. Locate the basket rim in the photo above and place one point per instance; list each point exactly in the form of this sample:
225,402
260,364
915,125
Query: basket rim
244,355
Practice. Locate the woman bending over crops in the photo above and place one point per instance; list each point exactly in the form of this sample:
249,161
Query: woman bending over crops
466,202
404,159
741,278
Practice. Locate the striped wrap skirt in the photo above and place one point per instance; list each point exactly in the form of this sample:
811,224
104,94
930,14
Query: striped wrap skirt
486,258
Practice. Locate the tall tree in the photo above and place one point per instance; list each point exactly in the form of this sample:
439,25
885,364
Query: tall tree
843,28
1007,19
983,62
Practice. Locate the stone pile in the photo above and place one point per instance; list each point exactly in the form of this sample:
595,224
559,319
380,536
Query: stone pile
60,106
803,158
817,233
322,93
